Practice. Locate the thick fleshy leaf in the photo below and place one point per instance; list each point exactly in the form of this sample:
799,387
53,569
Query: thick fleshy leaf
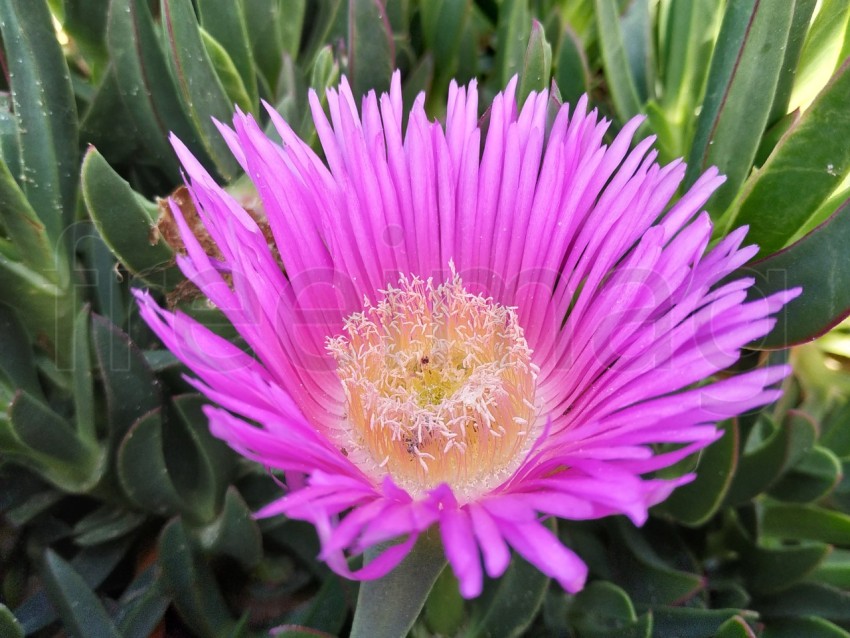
684,54
129,384
45,109
696,502
807,599
105,524
572,73
509,604
618,72
602,609
24,229
371,55
808,627
537,68
685,622
759,469
834,570
744,72
443,23
810,479
768,570
234,533
407,586
145,85
649,578
228,74
143,604
783,196
822,51
34,434
142,469
82,614
200,89
444,609
512,37
326,16
800,22
636,28
190,582
735,627
17,366
84,408
200,463
825,300
9,625
806,522
327,611
225,22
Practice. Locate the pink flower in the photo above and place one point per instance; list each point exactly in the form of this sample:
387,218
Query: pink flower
473,337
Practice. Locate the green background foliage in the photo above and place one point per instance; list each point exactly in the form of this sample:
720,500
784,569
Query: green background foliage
123,516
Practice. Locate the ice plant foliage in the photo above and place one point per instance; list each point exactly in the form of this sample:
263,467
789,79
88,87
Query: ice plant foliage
465,335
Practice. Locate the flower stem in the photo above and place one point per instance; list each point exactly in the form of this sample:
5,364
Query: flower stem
388,607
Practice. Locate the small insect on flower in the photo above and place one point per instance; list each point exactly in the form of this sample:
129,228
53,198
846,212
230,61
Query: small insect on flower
464,336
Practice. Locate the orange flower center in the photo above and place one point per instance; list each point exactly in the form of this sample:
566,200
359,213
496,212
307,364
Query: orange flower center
440,388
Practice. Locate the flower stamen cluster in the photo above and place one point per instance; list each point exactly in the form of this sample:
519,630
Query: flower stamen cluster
439,386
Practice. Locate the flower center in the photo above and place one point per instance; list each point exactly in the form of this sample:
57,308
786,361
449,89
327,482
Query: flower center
440,388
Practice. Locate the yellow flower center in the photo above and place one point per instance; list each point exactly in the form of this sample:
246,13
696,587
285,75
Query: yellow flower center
439,386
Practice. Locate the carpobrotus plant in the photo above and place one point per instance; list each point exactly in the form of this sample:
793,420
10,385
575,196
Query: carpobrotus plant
454,313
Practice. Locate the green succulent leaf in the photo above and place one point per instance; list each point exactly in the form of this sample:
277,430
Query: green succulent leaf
142,469
806,522
735,627
615,59
509,604
129,384
45,110
225,24
199,86
768,570
800,22
808,599
810,161
687,622
104,524
822,51
9,625
761,467
143,604
407,585
27,233
537,68
603,610
144,83
233,533
693,504
742,80
327,611
371,53
513,29
33,434
17,365
813,477
825,300
636,28
82,613
443,24
808,627
444,609
572,73
191,583
228,74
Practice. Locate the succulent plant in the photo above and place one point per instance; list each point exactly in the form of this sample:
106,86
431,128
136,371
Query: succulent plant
123,516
